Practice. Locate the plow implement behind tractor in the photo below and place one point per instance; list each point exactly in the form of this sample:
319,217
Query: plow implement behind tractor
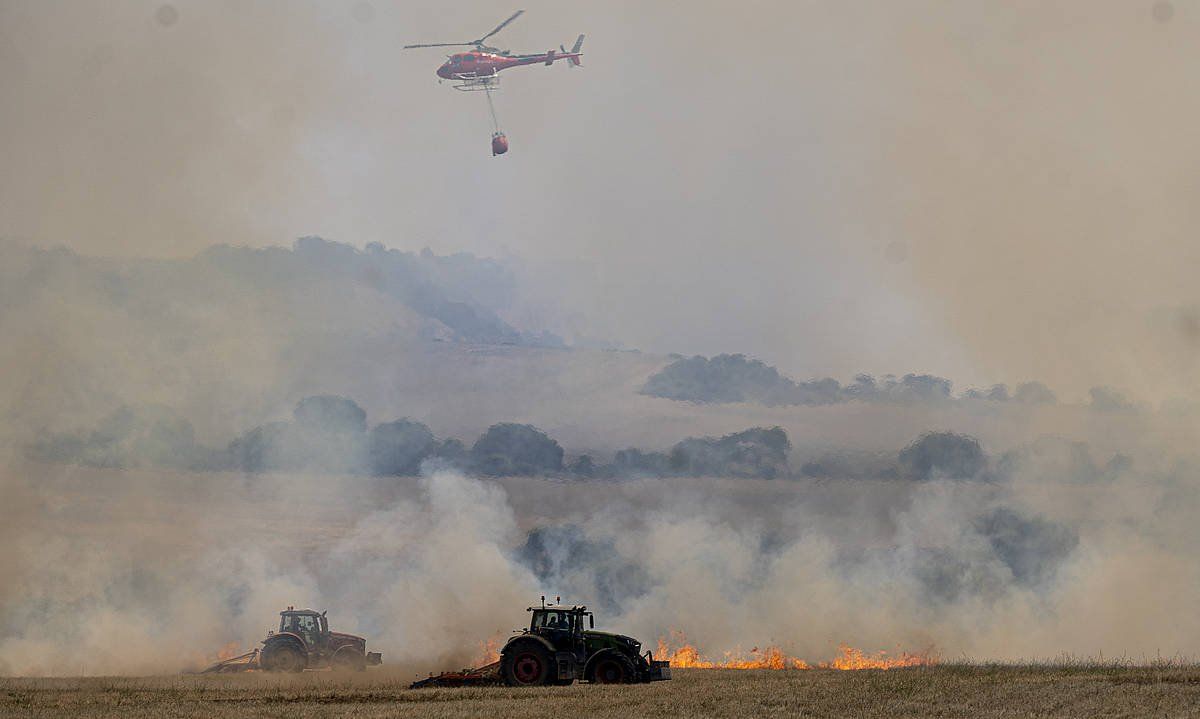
482,676
242,663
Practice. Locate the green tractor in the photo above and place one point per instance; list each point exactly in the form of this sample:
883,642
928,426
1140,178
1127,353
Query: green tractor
556,649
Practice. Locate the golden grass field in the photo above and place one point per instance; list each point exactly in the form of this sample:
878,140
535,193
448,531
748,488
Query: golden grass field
943,691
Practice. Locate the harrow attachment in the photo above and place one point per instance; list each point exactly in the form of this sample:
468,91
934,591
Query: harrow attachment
481,676
247,662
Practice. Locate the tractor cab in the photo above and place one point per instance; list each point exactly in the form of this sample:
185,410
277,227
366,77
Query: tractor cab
305,623
562,627
562,619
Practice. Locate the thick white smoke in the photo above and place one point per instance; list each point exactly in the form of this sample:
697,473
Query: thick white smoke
130,572
424,578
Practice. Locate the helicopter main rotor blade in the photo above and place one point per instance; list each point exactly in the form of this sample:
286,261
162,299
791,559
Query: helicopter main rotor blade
439,44
500,27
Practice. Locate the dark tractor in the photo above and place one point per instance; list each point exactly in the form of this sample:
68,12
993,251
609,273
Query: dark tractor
556,649
305,642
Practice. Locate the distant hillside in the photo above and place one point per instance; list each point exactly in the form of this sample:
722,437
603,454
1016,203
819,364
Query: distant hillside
232,328
456,297
234,337
456,294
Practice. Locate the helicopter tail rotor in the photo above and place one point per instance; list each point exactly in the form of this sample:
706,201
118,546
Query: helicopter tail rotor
575,50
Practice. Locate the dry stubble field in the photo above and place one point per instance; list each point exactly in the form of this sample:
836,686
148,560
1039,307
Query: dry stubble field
945,691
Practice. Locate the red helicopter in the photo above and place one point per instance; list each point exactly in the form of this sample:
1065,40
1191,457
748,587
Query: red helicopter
479,69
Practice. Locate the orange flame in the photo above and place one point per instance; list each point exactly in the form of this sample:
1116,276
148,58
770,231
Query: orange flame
229,651
851,658
201,659
489,651
687,656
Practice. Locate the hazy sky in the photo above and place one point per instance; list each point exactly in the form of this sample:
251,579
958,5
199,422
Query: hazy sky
993,191
990,191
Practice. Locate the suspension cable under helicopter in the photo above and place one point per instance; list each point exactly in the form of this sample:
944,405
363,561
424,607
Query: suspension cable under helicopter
499,141
492,108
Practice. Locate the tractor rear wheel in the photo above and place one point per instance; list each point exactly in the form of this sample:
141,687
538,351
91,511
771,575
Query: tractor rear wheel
283,658
613,669
349,661
526,665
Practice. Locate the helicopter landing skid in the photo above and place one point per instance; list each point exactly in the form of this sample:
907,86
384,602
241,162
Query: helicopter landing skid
474,84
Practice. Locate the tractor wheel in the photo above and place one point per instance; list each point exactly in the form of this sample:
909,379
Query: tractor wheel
526,665
283,658
349,661
613,669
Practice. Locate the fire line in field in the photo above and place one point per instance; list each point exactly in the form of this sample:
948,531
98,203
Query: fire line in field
685,655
